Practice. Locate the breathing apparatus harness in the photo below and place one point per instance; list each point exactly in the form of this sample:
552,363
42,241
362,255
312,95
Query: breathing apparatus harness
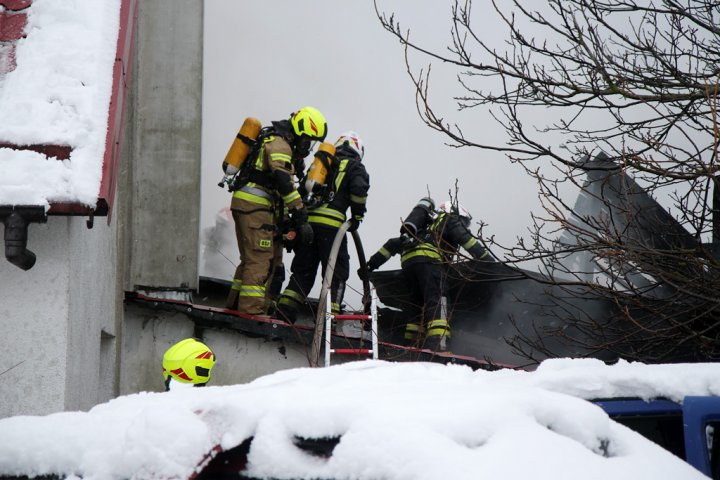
326,193
247,171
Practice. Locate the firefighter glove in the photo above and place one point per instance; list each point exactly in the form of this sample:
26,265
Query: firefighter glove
364,273
354,224
299,165
289,240
299,216
372,264
406,240
300,221
306,234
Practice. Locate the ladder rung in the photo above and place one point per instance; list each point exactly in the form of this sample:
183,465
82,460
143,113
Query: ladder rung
351,351
352,317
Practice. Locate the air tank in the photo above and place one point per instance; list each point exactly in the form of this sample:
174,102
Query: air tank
241,144
319,169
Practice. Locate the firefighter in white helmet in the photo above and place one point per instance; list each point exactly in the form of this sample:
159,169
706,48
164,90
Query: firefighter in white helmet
428,241
346,187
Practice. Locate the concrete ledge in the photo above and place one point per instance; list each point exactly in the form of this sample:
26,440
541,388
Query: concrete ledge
206,317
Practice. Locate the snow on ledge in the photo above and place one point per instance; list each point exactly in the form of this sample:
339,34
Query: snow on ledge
59,94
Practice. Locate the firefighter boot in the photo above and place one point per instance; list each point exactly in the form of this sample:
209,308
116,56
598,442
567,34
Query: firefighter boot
273,291
437,343
284,313
413,333
231,303
438,335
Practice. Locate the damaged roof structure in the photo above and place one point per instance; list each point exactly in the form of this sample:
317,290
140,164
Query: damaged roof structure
508,315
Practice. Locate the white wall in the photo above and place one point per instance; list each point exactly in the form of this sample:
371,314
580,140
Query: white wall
92,321
33,319
148,332
52,316
146,336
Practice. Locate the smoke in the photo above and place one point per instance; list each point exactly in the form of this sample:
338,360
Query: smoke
361,86
219,247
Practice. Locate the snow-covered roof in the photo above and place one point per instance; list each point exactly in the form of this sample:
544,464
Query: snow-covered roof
58,94
395,420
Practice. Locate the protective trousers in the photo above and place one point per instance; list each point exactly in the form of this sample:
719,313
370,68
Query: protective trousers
427,310
260,256
304,269
278,277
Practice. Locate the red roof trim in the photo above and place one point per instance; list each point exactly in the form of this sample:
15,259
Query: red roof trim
12,29
116,115
15,4
12,26
61,152
78,209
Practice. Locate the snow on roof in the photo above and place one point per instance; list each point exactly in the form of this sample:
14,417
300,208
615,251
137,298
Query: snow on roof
593,379
58,94
396,421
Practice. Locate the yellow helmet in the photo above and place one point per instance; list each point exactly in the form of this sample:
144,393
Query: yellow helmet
188,361
310,122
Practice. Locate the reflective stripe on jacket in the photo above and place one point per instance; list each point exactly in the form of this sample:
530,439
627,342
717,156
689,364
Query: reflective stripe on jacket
437,244
274,159
350,190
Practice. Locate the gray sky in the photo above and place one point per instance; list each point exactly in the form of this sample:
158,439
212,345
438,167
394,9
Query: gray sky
267,59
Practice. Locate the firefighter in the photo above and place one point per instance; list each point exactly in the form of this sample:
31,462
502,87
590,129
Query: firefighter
258,206
346,187
188,361
427,245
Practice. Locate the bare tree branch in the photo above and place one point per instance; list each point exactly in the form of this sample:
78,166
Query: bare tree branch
639,81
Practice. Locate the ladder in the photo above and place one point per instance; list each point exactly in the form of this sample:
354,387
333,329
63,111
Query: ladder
329,317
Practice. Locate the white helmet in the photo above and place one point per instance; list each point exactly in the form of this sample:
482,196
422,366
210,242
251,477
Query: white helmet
453,207
351,140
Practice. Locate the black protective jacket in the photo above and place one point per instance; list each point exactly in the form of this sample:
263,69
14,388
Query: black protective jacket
348,186
437,244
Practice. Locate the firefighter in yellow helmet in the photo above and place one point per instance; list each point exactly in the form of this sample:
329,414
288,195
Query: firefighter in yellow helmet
188,361
258,206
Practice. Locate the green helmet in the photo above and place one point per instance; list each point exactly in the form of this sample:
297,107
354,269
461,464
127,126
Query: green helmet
188,361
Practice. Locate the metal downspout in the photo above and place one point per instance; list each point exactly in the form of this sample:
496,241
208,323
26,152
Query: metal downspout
17,220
